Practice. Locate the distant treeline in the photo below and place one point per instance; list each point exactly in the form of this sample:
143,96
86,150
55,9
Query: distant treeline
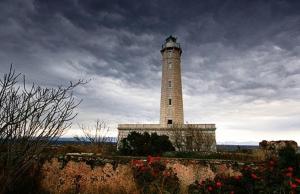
236,147
112,140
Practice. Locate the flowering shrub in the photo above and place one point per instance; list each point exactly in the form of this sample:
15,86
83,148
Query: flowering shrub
267,178
153,177
276,175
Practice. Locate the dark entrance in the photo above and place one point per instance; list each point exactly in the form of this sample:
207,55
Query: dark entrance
169,122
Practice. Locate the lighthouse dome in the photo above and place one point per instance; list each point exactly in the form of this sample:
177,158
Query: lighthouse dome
171,43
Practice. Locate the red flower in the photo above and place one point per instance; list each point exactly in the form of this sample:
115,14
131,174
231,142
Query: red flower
238,178
272,162
231,192
154,173
289,174
253,176
297,180
218,184
166,173
209,188
137,163
143,168
247,168
290,169
151,159
293,185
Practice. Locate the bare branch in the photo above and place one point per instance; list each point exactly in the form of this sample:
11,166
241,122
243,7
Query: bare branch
30,118
98,135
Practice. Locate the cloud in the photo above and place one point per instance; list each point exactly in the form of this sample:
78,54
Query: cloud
240,61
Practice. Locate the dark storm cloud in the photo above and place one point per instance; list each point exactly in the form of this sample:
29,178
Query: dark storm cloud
241,50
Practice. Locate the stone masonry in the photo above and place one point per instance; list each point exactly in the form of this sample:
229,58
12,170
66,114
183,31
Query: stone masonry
171,105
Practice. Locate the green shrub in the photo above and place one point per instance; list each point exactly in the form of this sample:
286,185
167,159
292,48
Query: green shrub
137,144
187,155
287,157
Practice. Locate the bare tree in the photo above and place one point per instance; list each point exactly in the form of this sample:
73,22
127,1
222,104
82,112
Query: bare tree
30,118
178,137
202,139
97,135
187,137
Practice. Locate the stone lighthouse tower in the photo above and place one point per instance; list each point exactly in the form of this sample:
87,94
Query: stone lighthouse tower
171,105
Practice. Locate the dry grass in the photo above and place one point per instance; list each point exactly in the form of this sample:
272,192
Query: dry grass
191,173
78,177
260,154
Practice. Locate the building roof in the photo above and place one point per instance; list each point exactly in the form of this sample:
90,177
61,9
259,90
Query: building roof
171,38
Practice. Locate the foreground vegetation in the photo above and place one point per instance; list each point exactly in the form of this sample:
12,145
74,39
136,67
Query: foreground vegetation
60,172
164,175
100,166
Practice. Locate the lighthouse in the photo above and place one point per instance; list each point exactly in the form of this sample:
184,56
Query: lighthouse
171,104
188,137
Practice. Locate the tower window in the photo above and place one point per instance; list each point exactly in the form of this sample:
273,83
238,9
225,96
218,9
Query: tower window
170,84
170,65
170,101
169,122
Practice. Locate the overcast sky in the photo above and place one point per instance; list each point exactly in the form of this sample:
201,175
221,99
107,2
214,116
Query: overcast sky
240,60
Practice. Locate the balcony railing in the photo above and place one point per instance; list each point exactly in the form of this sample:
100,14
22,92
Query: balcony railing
170,45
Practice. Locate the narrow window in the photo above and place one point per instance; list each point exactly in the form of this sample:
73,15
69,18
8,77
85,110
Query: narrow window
170,65
169,122
170,101
170,84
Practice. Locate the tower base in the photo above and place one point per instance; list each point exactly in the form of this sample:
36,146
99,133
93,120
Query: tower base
184,137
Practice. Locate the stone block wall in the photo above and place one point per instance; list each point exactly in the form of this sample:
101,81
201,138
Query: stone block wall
171,72
185,137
